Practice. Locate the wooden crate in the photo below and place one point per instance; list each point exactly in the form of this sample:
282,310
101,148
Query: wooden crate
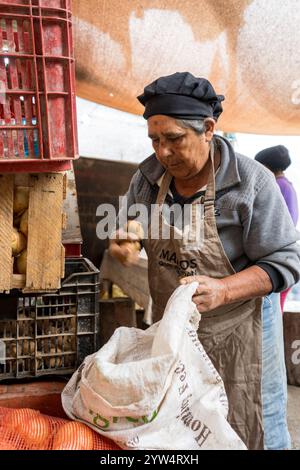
45,253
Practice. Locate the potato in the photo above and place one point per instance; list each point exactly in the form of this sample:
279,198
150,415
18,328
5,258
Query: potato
132,246
135,227
22,262
50,362
129,251
11,350
26,347
21,199
117,292
104,295
26,328
24,223
18,243
61,342
70,361
53,362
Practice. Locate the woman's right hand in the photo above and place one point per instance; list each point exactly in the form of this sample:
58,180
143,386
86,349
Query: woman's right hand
125,247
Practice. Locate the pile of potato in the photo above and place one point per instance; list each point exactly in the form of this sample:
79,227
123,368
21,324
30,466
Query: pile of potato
49,351
20,229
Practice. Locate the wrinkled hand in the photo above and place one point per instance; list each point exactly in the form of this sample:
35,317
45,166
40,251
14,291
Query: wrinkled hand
125,247
210,294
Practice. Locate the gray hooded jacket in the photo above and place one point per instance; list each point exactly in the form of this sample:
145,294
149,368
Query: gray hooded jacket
253,222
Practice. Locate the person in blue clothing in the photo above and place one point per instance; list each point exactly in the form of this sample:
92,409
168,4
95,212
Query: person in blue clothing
277,159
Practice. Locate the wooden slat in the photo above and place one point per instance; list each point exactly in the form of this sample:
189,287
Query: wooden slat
63,255
72,232
64,221
6,230
65,184
22,179
18,281
44,232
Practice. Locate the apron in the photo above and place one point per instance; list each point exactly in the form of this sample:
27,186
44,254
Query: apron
231,334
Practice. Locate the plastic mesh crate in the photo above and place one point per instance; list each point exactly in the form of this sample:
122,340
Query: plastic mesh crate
37,86
46,334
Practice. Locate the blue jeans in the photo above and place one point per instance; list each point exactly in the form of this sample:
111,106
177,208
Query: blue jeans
274,381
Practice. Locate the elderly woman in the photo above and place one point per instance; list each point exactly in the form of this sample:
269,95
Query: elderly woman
248,249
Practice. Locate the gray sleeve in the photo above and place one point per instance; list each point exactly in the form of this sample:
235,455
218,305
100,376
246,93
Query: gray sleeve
269,235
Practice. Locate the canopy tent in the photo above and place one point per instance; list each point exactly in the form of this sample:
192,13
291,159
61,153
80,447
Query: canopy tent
248,49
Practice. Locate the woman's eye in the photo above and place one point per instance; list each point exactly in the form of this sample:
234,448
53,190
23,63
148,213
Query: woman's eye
174,139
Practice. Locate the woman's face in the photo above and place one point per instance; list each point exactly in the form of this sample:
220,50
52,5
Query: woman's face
181,151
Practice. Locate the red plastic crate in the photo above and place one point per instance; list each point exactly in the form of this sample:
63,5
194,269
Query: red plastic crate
37,86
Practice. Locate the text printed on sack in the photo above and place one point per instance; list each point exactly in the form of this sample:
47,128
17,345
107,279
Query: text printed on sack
216,378
186,416
105,423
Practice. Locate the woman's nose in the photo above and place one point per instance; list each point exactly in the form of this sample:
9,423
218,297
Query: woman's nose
163,150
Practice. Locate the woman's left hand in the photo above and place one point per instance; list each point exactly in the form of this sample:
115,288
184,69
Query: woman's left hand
210,294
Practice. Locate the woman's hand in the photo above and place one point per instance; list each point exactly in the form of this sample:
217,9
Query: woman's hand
248,284
210,294
125,247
